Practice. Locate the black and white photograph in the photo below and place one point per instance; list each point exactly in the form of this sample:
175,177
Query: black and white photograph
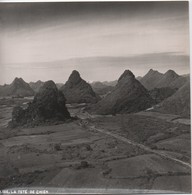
95,97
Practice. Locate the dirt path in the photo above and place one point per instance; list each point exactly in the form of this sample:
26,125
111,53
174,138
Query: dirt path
159,153
128,141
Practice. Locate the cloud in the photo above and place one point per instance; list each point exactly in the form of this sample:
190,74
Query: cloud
96,38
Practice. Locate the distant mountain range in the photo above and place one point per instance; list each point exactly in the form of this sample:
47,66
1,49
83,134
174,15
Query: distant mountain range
36,85
125,95
101,88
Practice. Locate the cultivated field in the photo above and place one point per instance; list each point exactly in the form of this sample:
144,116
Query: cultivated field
129,151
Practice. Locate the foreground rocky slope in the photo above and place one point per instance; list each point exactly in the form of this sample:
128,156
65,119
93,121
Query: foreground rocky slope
178,103
160,94
48,106
128,96
77,90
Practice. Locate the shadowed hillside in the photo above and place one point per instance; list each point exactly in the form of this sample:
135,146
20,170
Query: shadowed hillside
100,88
178,103
128,96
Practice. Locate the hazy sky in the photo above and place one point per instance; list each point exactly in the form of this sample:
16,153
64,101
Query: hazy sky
48,40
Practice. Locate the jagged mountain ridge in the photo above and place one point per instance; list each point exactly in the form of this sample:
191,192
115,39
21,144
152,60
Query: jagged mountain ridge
154,79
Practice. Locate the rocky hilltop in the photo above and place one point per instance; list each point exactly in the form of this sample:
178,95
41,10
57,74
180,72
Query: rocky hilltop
48,105
17,88
77,90
128,96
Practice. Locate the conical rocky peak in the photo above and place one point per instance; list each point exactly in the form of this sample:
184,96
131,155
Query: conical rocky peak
17,81
153,72
17,88
74,77
129,95
47,91
77,90
126,75
151,79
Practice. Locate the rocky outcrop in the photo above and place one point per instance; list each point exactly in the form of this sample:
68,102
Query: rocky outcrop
47,106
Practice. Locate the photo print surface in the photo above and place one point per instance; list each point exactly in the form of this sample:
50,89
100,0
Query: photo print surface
95,97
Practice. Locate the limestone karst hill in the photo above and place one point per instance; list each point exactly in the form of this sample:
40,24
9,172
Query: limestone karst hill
171,79
128,96
154,79
48,105
77,90
17,88
151,79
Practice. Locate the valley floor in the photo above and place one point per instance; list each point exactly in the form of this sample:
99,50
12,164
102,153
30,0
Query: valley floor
142,151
